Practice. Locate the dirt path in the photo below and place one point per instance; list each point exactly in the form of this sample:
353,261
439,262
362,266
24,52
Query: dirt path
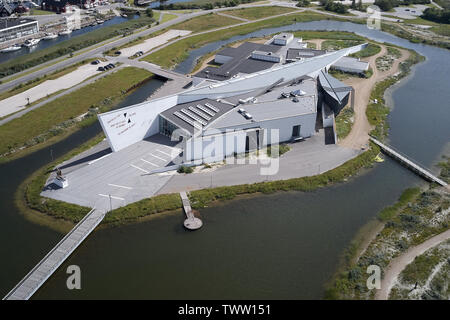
358,137
398,264
317,42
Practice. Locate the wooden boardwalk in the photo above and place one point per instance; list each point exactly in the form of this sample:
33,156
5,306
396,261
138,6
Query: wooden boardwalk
191,222
409,163
50,263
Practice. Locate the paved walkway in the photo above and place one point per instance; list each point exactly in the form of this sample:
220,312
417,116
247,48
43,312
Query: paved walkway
154,42
97,174
306,158
50,263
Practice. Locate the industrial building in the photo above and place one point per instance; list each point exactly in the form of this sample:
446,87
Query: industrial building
252,57
216,119
16,28
351,65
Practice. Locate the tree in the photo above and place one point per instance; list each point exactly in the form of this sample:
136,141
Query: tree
149,12
360,5
303,3
386,5
353,5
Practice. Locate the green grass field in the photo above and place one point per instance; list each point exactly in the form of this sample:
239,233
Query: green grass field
205,22
167,17
102,93
258,12
37,12
335,35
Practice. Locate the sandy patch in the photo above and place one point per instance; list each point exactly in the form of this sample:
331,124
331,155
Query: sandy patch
154,42
359,135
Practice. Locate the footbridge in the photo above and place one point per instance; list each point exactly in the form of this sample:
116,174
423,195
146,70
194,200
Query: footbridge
153,68
407,162
50,263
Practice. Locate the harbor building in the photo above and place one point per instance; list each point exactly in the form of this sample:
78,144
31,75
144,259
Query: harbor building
16,28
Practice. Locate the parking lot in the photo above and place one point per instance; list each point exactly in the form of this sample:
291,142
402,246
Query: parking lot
98,178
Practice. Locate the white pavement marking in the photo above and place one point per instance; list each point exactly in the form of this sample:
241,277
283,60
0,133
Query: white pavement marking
139,168
118,186
94,161
112,197
150,162
167,154
158,157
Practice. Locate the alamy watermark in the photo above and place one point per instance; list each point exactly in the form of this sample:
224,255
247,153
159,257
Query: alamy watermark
251,146
74,280
374,280
374,17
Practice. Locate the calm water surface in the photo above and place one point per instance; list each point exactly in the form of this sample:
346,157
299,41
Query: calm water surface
279,246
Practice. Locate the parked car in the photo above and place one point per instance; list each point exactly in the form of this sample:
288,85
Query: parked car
95,62
139,53
101,69
118,53
111,65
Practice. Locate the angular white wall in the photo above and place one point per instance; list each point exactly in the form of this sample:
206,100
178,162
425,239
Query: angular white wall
129,125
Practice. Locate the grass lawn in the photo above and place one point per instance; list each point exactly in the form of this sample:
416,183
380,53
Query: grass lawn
103,93
205,22
178,51
167,17
337,35
344,122
37,12
258,12
371,50
339,44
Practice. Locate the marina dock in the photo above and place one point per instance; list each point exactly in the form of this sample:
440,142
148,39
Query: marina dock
191,222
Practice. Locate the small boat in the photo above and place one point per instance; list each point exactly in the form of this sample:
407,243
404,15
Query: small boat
11,49
49,36
31,42
65,32
100,21
378,158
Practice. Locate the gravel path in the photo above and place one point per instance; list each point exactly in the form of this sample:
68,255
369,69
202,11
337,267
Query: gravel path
359,135
398,264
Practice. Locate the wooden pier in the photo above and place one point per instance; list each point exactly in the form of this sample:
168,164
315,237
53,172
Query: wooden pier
50,263
408,163
191,222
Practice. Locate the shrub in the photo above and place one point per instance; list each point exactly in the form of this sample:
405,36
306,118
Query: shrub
184,169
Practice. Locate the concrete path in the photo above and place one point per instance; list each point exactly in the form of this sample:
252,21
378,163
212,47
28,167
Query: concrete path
154,42
233,17
19,101
398,264
302,160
